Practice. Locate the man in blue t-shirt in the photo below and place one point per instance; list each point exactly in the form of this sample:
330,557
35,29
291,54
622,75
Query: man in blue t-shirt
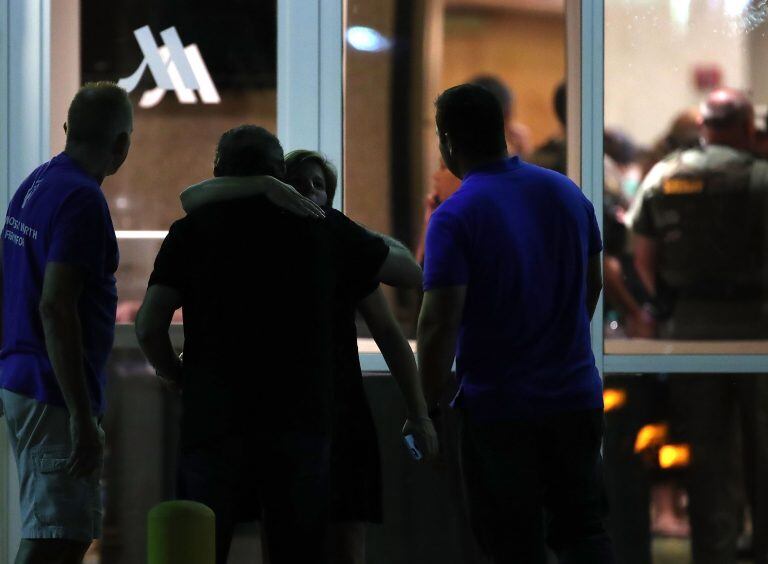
59,300
512,279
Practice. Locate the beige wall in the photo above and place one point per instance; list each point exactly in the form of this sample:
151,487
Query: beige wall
367,119
65,65
650,54
526,50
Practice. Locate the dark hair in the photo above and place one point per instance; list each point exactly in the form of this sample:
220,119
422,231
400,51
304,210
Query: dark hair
98,113
500,91
295,158
249,150
473,120
726,108
560,103
619,147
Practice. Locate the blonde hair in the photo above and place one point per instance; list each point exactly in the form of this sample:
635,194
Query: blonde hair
295,158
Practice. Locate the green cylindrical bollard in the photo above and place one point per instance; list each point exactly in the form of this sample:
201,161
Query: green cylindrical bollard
181,532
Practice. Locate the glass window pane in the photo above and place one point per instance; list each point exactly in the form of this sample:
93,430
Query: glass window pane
685,263
230,52
685,191
399,56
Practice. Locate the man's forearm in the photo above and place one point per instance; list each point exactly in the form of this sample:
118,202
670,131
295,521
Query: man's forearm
63,342
436,351
222,189
152,324
159,351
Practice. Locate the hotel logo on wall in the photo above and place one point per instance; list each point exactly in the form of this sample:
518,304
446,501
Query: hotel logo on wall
174,67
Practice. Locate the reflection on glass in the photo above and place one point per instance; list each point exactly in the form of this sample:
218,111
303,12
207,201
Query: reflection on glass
684,217
366,39
191,76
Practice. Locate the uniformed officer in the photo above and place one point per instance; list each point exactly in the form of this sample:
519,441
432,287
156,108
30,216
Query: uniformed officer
699,238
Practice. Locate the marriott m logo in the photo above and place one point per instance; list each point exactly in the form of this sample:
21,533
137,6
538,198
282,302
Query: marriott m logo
174,67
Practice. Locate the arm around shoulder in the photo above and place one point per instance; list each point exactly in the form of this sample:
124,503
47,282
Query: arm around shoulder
227,188
223,189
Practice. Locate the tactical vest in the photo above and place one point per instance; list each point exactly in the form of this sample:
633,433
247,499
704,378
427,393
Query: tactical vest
710,212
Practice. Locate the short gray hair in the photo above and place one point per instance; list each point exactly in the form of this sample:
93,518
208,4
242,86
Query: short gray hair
99,112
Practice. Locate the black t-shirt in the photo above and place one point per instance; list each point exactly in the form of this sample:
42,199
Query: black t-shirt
258,288
348,387
349,395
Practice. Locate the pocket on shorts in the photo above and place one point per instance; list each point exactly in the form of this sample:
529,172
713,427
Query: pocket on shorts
59,499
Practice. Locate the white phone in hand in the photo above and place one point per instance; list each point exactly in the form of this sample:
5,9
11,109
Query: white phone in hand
413,450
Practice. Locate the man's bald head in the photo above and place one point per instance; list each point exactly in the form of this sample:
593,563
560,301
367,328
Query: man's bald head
98,114
727,118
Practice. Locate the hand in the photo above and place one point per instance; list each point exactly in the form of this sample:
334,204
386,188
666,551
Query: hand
173,382
87,447
288,198
423,431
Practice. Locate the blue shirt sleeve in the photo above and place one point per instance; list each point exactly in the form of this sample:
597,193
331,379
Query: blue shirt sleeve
446,256
79,231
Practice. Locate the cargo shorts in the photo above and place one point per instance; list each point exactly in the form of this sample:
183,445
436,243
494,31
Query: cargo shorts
54,504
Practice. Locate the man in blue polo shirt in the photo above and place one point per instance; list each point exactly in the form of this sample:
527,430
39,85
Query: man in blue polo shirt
512,279
59,301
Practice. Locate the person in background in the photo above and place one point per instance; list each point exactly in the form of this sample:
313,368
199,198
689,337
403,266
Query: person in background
518,135
627,302
684,133
59,260
553,154
356,488
444,184
257,405
699,225
512,279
